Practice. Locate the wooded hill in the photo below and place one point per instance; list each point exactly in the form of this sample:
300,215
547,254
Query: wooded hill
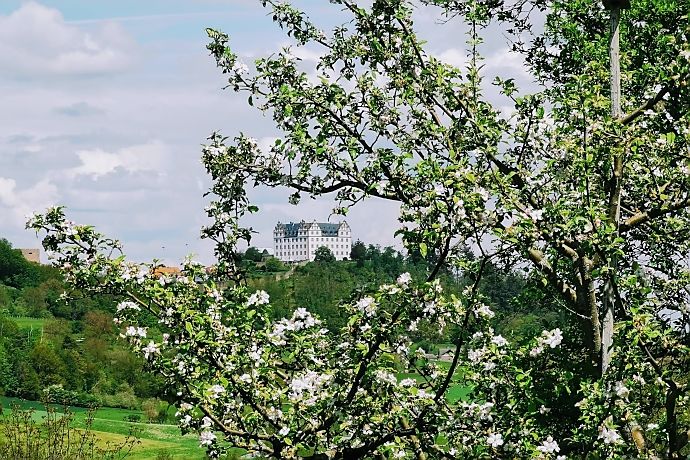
72,346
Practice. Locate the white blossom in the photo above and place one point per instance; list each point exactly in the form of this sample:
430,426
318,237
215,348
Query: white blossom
495,440
240,67
258,298
429,308
216,391
484,411
549,446
305,386
133,331
274,414
552,338
485,311
185,420
301,319
128,306
386,377
609,435
366,305
536,351
476,355
150,350
499,341
621,390
206,438
255,354
404,279
423,394
535,215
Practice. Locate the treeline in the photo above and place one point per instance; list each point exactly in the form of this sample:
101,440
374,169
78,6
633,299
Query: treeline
322,285
72,351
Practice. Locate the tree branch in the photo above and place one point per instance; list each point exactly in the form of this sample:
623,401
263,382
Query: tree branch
632,116
539,260
645,216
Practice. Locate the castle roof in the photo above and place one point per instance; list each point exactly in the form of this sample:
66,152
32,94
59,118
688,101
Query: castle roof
327,229
291,229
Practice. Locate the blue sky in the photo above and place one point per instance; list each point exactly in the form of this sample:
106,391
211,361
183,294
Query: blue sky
106,104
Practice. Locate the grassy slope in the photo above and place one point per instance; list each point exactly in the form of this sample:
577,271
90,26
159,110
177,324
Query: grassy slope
109,425
25,322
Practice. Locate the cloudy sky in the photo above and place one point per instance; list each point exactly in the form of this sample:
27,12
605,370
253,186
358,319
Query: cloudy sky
105,106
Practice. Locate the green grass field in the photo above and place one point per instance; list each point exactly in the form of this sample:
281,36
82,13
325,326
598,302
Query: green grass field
456,390
25,322
109,425
455,393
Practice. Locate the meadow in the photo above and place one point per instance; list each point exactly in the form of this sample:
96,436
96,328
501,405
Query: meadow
111,425
26,322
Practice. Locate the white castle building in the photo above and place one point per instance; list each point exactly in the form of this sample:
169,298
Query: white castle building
296,242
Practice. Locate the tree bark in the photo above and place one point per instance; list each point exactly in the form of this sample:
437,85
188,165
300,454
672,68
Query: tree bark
615,193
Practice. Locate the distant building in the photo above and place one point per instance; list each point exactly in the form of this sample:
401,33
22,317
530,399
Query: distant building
269,251
166,271
297,242
32,255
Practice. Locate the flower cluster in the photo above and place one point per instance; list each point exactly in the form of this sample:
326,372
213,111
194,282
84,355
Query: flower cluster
550,339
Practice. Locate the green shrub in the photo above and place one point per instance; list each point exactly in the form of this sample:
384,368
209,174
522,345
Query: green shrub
164,455
58,395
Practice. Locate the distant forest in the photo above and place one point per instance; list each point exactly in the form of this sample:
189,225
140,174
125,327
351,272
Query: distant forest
67,348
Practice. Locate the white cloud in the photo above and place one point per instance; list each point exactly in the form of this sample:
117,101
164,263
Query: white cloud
508,63
33,148
455,57
98,162
267,143
307,54
36,41
79,109
22,202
